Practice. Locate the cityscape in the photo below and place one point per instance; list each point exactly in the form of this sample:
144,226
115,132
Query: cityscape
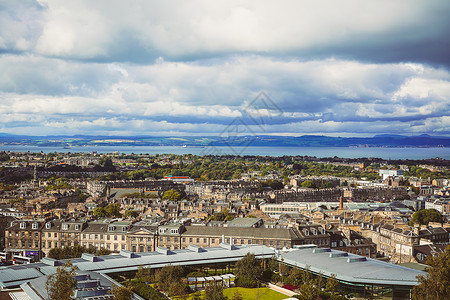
214,150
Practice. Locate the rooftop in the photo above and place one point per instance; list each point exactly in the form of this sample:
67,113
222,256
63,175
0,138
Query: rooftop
348,267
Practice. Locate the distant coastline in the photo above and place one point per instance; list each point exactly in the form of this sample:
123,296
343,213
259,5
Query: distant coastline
320,152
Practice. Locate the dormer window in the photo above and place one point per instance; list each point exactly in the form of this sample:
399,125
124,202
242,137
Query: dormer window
22,225
77,227
34,226
65,226
48,225
124,229
306,232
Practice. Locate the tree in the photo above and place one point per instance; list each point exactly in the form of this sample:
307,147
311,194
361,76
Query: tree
61,284
424,216
113,210
308,184
214,292
248,267
332,284
100,212
436,283
172,195
121,293
131,213
169,279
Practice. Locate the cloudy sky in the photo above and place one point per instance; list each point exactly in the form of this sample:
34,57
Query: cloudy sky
338,68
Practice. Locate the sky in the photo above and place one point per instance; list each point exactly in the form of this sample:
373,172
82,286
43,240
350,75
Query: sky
177,68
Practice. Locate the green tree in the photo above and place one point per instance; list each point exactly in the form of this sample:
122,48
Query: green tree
60,285
248,267
100,212
144,274
121,293
113,210
214,292
436,283
424,216
332,284
169,277
308,184
132,213
172,195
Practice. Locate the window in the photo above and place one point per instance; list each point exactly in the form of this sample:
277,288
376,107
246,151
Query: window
22,225
190,240
77,227
49,234
107,237
96,236
213,241
55,235
115,237
65,226
123,238
198,240
205,241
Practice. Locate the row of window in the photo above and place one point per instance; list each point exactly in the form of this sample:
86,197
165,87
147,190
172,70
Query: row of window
23,234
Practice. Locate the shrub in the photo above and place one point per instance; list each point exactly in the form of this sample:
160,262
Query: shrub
146,291
290,287
267,275
246,282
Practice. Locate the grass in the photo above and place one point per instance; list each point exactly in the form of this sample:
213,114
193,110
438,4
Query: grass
249,294
264,293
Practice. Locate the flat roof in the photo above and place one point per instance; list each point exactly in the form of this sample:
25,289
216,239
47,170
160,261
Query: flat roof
349,267
129,261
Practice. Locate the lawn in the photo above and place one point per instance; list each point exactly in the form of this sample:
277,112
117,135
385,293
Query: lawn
264,293
250,294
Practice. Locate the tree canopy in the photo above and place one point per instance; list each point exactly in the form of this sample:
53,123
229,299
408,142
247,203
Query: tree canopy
214,292
169,279
248,267
60,286
111,210
425,216
172,195
436,283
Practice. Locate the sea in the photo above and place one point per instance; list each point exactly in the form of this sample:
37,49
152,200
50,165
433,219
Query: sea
344,152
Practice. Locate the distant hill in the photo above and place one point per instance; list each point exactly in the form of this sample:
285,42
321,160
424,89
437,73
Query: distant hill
385,140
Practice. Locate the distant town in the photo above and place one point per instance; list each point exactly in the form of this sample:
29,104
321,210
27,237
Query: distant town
393,211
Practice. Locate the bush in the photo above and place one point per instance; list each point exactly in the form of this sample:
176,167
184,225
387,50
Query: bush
146,291
290,287
267,275
246,282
